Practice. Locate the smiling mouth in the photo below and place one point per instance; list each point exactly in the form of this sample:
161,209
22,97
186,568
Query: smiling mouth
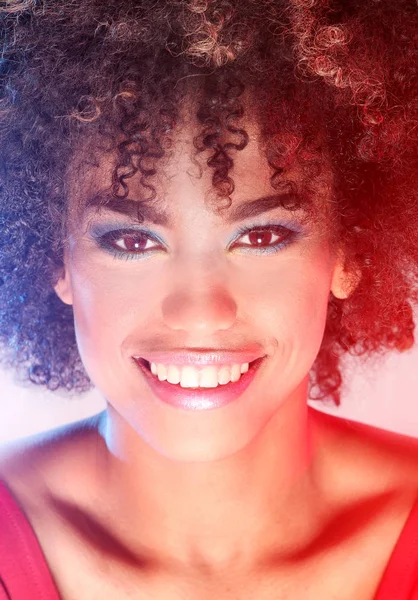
198,398
145,363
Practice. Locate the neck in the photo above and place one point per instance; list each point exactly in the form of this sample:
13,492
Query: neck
230,511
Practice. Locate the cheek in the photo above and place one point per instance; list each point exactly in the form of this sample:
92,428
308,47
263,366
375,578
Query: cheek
292,308
109,305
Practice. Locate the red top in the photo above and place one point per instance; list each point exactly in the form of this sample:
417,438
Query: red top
24,574
400,579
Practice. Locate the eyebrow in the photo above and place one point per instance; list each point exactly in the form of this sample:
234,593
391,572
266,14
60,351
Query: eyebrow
133,208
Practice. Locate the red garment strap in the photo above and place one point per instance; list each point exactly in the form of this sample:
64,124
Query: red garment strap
24,573
400,579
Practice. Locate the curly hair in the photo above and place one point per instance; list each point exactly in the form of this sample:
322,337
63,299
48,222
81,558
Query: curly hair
334,76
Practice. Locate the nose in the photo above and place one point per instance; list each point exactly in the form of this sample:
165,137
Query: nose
200,312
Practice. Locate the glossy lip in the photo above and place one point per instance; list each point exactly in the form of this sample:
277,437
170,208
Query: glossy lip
199,398
202,359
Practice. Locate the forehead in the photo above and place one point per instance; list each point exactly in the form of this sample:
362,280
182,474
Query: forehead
92,182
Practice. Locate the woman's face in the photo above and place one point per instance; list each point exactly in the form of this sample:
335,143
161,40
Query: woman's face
198,282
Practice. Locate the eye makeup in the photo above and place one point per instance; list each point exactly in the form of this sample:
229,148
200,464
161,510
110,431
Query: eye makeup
128,241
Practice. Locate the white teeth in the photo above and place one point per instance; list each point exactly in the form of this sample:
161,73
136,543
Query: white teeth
208,377
173,375
153,368
189,377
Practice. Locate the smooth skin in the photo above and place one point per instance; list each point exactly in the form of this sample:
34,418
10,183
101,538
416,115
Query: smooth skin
264,498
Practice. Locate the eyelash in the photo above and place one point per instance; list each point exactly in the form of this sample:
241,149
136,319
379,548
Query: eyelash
105,240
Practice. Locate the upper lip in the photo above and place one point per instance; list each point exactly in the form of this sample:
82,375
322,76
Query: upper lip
192,357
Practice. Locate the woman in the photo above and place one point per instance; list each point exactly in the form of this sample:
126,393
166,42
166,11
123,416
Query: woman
204,206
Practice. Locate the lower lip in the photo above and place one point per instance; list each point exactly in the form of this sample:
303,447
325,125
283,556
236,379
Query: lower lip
202,398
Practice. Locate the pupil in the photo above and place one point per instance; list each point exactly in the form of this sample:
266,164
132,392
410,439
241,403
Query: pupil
132,243
257,237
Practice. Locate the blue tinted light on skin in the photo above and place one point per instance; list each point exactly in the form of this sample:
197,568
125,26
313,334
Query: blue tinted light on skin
97,230
104,233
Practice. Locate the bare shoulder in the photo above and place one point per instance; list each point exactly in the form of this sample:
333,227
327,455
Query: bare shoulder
58,459
374,458
53,477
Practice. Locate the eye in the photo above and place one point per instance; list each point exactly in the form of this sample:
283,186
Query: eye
131,243
267,238
127,241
